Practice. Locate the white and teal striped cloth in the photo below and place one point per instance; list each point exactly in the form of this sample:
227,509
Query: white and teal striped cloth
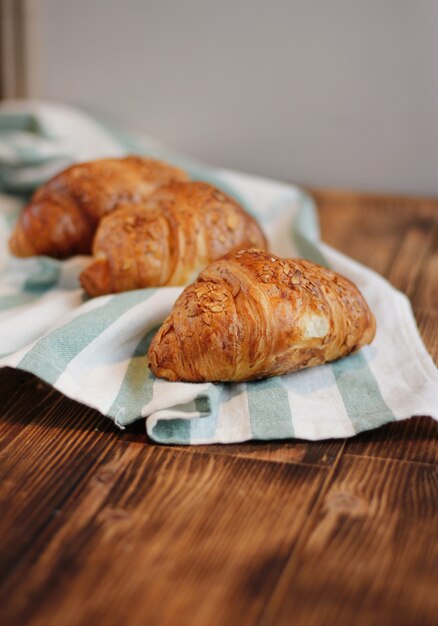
95,350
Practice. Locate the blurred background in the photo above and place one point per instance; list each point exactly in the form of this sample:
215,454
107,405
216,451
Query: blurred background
330,94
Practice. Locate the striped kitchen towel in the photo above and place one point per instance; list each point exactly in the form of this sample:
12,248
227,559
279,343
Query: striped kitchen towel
95,350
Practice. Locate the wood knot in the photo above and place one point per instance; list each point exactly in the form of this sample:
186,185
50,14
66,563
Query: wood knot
344,503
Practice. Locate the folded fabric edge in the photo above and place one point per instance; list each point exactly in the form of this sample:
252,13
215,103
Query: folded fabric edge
405,314
176,431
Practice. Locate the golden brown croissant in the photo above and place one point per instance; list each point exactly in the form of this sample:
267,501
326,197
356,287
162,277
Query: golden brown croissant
62,215
253,314
168,240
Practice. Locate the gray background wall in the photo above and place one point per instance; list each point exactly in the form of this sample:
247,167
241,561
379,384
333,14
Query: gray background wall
319,92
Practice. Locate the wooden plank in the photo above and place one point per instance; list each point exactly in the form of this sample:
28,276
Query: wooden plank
414,440
403,207
12,389
27,401
412,261
371,228
48,443
358,224
350,226
427,321
372,554
164,536
321,453
426,292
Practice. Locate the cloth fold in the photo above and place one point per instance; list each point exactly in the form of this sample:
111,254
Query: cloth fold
95,351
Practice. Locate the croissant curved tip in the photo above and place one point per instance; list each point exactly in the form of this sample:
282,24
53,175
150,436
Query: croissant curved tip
13,246
19,244
370,332
162,351
96,278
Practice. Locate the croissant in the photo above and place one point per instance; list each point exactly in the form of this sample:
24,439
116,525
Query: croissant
167,240
252,315
62,215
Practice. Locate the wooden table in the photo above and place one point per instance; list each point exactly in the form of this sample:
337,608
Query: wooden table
101,527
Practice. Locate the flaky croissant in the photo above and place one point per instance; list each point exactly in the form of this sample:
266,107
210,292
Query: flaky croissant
252,315
168,240
62,215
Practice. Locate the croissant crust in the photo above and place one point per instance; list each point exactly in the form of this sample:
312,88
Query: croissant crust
62,215
252,315
168,239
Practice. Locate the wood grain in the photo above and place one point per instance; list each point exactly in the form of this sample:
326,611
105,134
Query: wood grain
415,439
426,291
397,236
101,526
427,320
376,532
41,464
322,453
184,538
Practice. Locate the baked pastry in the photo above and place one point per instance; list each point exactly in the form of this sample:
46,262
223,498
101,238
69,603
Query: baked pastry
252,315
62,215
168,239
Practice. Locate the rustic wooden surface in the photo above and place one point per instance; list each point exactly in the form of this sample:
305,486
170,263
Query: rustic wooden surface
99,526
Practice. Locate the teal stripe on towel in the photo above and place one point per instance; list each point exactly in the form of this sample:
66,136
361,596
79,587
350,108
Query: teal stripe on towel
193,429
17,299
360,392
269,409
207,404
357,384
51,355
305,229
172,431
136,389
44,277
186,431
